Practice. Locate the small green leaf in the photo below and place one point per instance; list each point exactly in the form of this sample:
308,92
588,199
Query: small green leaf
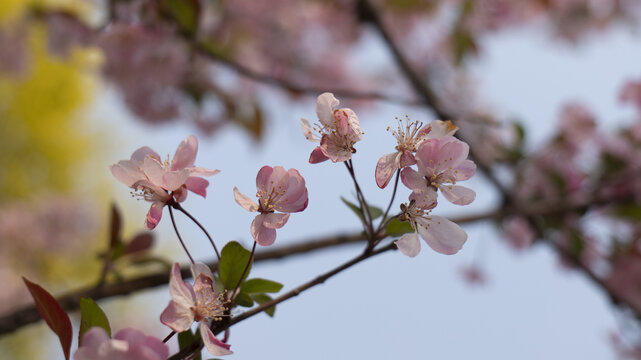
91,315
254,286
187,338
243,299
263,298
185,12
233,260
398,228
374,211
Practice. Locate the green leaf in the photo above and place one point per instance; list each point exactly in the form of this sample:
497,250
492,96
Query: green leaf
243,299
263,298
630,211
187,338
374,211
184,12
233,260
398,228
254,286
91,315
52,312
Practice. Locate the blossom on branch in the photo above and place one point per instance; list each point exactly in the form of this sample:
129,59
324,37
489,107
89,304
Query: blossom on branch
439,233
441,163
339,130
160,181
278,190
127,344
201,303
409,138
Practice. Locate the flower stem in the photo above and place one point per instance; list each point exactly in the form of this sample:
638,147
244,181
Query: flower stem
383,219
361,199
171,334
251,259
171,214
177,206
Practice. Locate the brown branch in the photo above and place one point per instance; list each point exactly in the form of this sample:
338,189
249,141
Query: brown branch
71,300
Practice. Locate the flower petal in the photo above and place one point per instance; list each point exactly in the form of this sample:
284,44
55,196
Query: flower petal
200,268
172,180
464,170
139,155
181,292
127,172
275,220
185,154
307,130
325,104
439,129
213,345
153,170
177,317
317,156
456,194
197,185
441,235
409,244
244,201
263,178
385,168
154,214
199,171
413,180
425,199
262,235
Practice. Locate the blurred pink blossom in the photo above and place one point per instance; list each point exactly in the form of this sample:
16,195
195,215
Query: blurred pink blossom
339,130
408,139
278,189
473,274
160,181
631,93
201,303
127,344
518,233
577,123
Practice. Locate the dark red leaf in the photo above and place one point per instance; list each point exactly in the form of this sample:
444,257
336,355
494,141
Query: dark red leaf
114,235
52,312
141,242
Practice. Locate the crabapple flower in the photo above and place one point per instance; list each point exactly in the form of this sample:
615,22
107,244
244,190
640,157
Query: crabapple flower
201,303
339,130
278,190
127,344
160,181
409,136
439,233
441,163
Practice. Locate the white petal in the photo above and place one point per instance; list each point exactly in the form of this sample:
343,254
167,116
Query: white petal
244,201
409,244
441,235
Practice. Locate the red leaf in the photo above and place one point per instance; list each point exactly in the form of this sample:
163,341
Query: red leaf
141,242
52,312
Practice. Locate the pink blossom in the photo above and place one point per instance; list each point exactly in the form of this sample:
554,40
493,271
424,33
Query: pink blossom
159,182
518,232
441,163
127,344
439,233
201,303
339,130
408,139
278,189
577,123
632,93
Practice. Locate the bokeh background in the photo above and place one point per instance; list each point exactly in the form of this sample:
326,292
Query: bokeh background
84,83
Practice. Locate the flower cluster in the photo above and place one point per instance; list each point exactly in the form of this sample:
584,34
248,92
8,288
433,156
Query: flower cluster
127,344
160,181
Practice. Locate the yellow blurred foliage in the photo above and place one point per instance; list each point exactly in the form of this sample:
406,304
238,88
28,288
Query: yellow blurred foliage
11,10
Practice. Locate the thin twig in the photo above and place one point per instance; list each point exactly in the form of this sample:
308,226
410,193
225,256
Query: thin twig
383,220
367,216
249,262
171,214
177,206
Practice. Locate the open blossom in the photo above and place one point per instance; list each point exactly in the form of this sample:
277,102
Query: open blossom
278,190
201,303
160,181
339,130
439,233
127,344
441,163
408,139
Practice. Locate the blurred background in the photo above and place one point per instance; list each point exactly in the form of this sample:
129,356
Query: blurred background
546,92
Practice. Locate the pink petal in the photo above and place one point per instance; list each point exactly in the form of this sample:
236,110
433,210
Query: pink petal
317,156
295,198
307,130
94,337
213,345
172,180
407,159
263,177
441,235
181,292
153,170
244,201
385,168
200,268
464,170
180,194
456,194
130,335
334,149
451,154
413,180
325,105
275,220
185,154
425,199
262,235
197,185
439,129
154,215
127,172
198,171
409,244
145,347
177,317
139,155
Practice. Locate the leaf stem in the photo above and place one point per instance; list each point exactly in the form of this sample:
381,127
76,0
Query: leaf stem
249,262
